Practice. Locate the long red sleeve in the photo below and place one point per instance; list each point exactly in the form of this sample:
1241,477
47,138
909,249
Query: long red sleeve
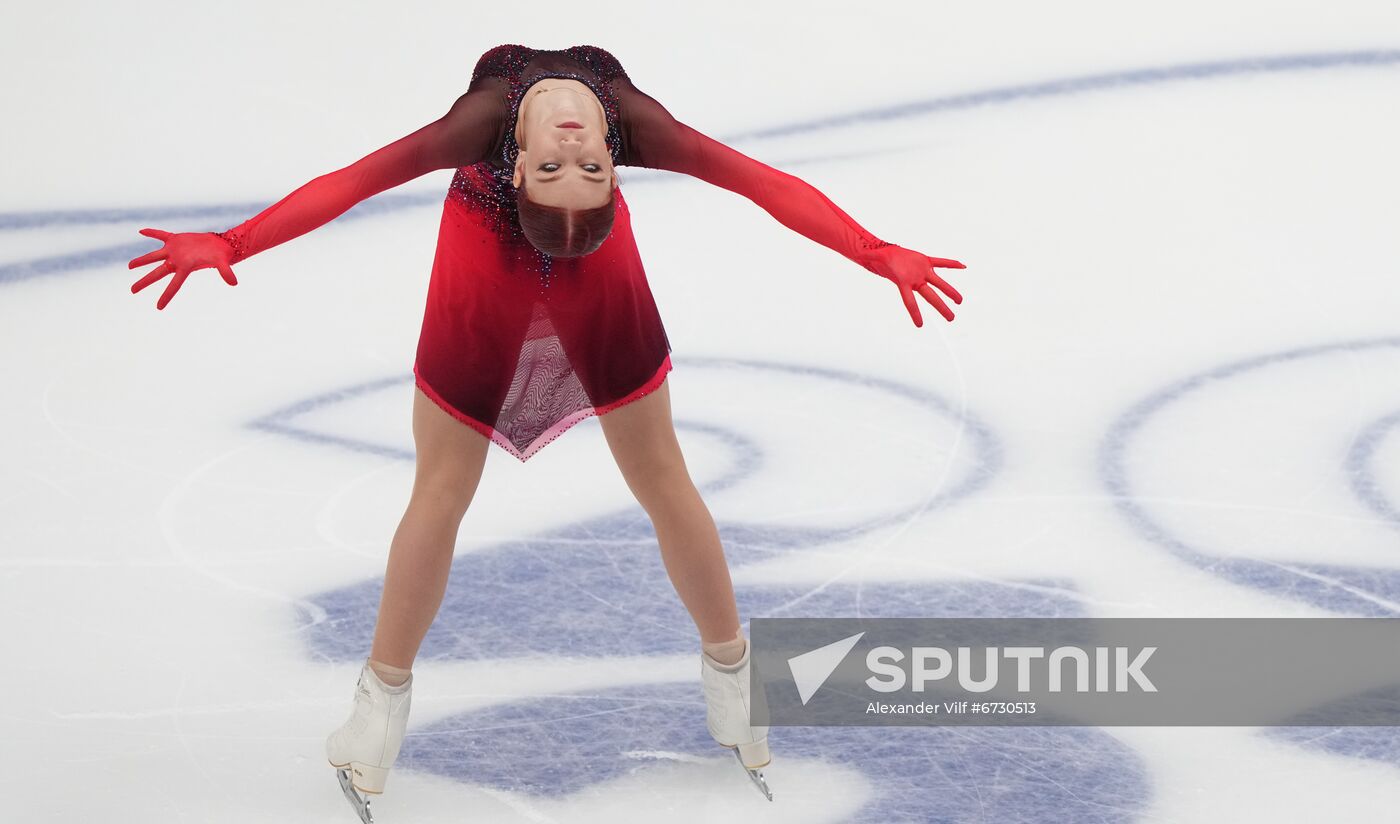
463,136
655,139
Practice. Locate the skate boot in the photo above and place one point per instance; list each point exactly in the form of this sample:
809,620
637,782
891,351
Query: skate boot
727,716
365,747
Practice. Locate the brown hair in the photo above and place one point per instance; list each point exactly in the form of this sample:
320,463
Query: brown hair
561,232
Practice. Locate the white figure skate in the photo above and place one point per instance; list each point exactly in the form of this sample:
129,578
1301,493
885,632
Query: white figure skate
727,717
365,747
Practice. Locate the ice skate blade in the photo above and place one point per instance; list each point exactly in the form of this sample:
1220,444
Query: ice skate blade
359,802
755,775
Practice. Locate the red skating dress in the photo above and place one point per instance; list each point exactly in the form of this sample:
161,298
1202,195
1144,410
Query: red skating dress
517,344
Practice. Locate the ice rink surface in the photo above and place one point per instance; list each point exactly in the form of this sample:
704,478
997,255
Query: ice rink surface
1173,389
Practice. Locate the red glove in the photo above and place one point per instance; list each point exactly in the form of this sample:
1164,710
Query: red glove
182,254
913,272
459,138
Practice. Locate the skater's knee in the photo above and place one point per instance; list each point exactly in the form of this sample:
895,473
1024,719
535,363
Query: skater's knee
446,482
654,471
662,486
443,495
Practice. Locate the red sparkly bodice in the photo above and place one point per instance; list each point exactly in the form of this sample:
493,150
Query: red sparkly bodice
510,70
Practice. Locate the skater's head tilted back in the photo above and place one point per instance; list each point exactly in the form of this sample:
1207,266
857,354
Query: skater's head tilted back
564,177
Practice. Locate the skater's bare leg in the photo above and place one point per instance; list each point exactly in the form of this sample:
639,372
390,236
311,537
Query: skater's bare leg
642,438
450,457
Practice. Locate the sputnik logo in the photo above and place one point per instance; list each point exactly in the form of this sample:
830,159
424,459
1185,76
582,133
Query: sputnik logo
811,669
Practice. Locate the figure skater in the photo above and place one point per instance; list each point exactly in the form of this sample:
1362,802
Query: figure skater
539,315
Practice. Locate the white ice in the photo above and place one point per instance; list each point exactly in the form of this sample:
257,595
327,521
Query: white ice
164,561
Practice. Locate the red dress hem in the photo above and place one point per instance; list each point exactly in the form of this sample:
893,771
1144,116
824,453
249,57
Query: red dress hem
560,427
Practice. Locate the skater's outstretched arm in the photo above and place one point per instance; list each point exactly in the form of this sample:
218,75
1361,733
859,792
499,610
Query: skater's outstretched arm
461,137
658,140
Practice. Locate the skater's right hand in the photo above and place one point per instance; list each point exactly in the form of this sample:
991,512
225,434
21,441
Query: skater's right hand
183,253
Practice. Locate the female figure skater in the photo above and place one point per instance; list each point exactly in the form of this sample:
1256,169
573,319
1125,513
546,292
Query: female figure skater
539,315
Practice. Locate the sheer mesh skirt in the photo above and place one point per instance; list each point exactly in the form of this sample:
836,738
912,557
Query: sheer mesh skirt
521,346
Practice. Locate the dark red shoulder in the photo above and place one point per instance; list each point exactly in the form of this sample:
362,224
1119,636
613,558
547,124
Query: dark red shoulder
599,60
505,60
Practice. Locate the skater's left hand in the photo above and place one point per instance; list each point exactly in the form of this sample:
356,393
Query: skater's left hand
912,272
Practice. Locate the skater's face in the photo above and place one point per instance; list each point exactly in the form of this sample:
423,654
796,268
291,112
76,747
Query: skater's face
564,159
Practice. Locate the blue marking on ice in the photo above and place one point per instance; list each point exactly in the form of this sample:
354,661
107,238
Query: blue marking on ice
1329,586
1361,470
557,746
